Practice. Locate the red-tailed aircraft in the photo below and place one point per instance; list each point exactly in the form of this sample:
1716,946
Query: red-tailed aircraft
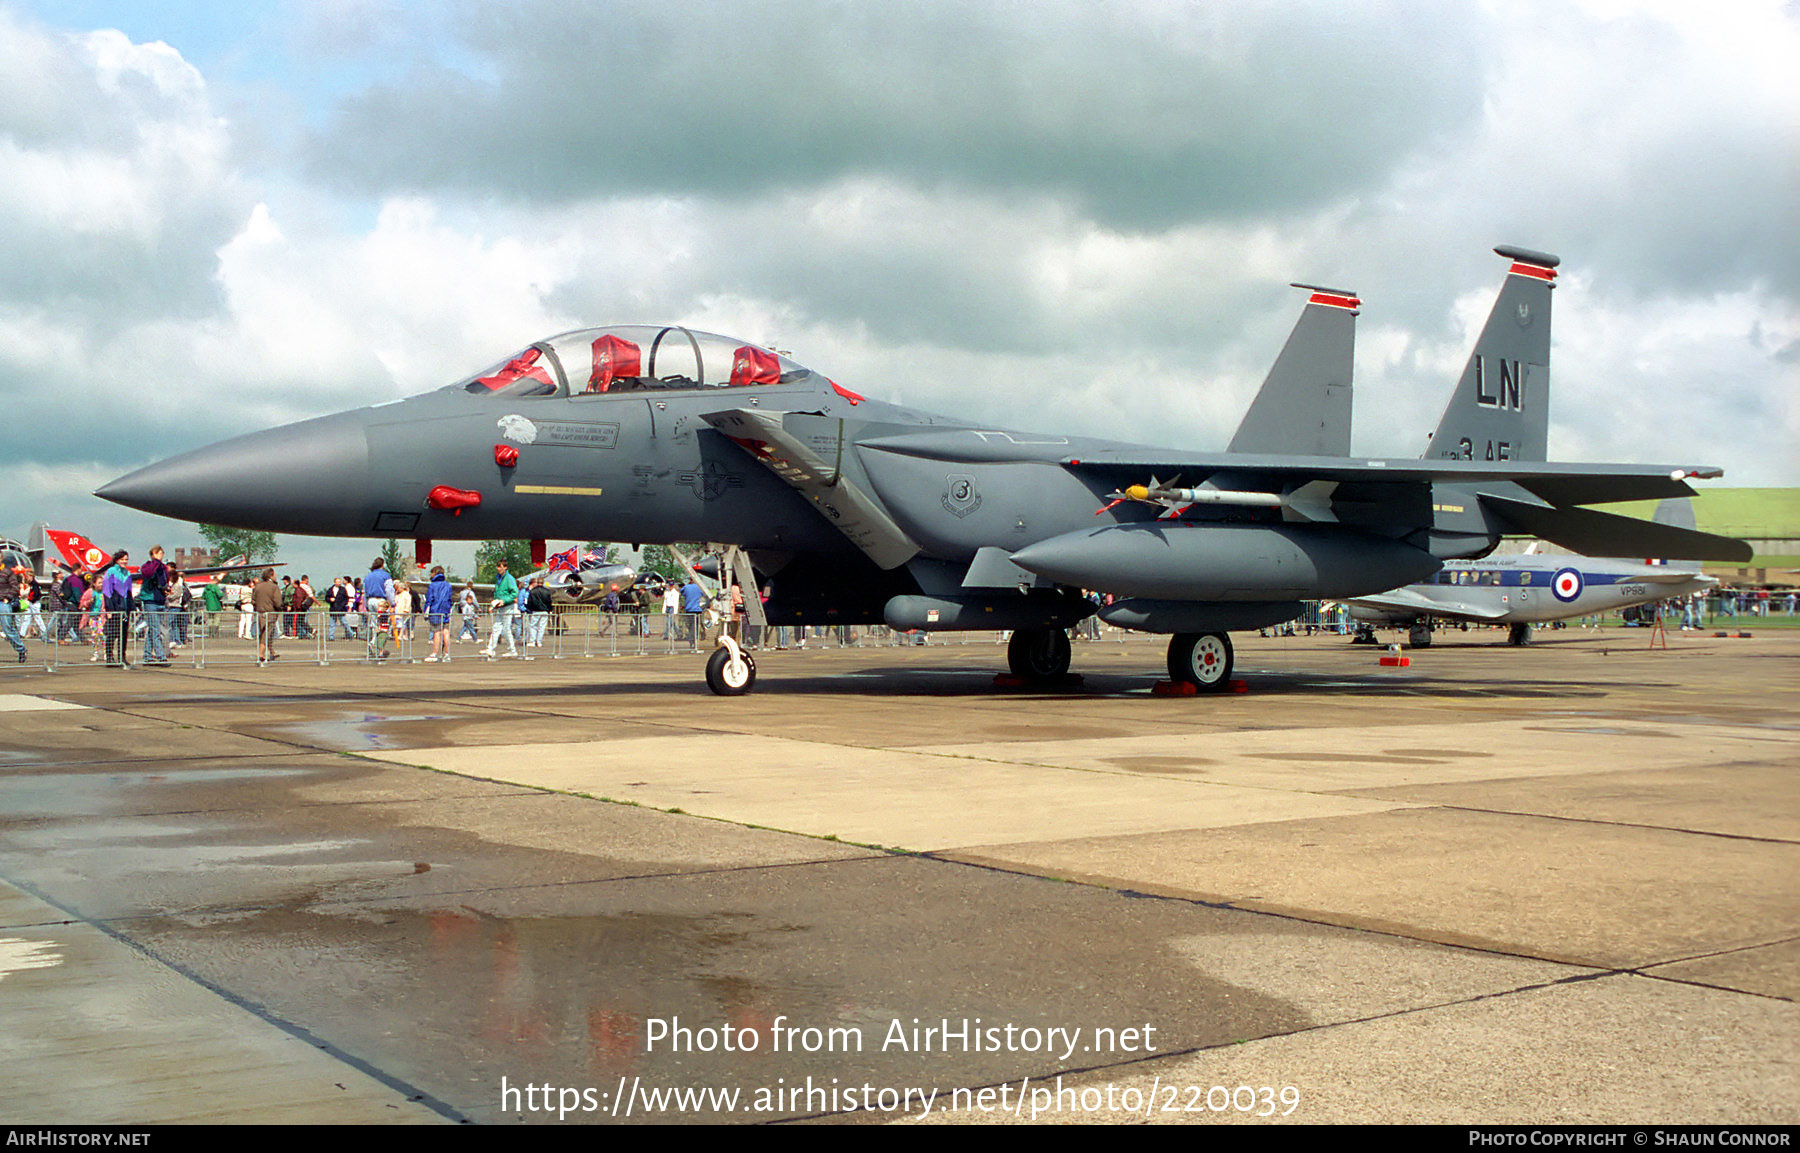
81,553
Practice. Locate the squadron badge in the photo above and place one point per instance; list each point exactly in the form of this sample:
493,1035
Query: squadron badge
960,497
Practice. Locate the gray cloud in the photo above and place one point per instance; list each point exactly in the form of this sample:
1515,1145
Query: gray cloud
1137,117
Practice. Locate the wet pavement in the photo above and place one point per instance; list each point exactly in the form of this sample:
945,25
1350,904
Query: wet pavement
1551,884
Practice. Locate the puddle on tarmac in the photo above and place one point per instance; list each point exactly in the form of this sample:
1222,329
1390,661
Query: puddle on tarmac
158,845
455,998
356,732
38,795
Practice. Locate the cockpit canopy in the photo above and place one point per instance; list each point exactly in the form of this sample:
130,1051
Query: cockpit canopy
633,358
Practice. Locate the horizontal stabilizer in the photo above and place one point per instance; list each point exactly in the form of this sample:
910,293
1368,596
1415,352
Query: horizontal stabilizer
1606,534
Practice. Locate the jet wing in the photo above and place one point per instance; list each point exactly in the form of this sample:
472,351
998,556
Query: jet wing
1540,500
1116,464
1526,498
852,511
1556,484
1407,601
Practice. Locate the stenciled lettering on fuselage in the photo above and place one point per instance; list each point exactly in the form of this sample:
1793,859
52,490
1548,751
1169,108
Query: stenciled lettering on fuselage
577,433
1496,450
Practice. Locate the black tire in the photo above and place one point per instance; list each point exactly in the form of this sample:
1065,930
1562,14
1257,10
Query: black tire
1519,635
1201,659
1038,654
1419,637
727,677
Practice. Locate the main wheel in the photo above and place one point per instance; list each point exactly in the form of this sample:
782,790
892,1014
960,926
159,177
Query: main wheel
729,676
1200,659
1518,635
1419,637
1038,654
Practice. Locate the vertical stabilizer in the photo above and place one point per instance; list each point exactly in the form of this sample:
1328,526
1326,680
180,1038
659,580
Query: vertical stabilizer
1676,512
37,548
1303,407
1501,407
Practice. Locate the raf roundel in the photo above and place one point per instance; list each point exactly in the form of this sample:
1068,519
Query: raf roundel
1566,585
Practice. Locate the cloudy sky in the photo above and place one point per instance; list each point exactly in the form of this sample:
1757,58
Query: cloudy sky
219,217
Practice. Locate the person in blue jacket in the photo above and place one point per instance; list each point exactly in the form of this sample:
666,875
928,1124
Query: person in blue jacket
438,596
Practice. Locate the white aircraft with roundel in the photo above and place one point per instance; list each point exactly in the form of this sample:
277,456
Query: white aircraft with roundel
1530,588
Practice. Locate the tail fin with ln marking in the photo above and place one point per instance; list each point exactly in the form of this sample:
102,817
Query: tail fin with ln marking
1501,407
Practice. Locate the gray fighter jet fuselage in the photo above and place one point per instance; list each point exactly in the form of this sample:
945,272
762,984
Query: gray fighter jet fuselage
863,511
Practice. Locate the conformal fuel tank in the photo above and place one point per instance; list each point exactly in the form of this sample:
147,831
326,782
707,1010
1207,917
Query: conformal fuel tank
1176,561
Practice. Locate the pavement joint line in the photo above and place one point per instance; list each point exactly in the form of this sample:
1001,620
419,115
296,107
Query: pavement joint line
293,1029
1233,906
1646,970
1697,984
1616,824
548,790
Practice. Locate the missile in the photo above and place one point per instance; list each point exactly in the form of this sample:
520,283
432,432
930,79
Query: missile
1309,502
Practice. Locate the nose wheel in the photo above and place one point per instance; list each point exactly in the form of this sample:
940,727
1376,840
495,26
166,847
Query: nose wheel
1200,659
730,671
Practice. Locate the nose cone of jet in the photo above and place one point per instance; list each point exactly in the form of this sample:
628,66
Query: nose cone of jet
311,477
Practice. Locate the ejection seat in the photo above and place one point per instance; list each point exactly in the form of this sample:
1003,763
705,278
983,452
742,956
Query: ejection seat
615,359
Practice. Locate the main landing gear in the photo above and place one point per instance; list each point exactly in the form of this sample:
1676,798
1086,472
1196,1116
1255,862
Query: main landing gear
730,671
1518,634
1038,654
1201,659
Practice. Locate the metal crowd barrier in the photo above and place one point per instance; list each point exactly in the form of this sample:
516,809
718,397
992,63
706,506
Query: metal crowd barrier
198,639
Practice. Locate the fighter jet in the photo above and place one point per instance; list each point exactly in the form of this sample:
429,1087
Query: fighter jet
861,511
1304,406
